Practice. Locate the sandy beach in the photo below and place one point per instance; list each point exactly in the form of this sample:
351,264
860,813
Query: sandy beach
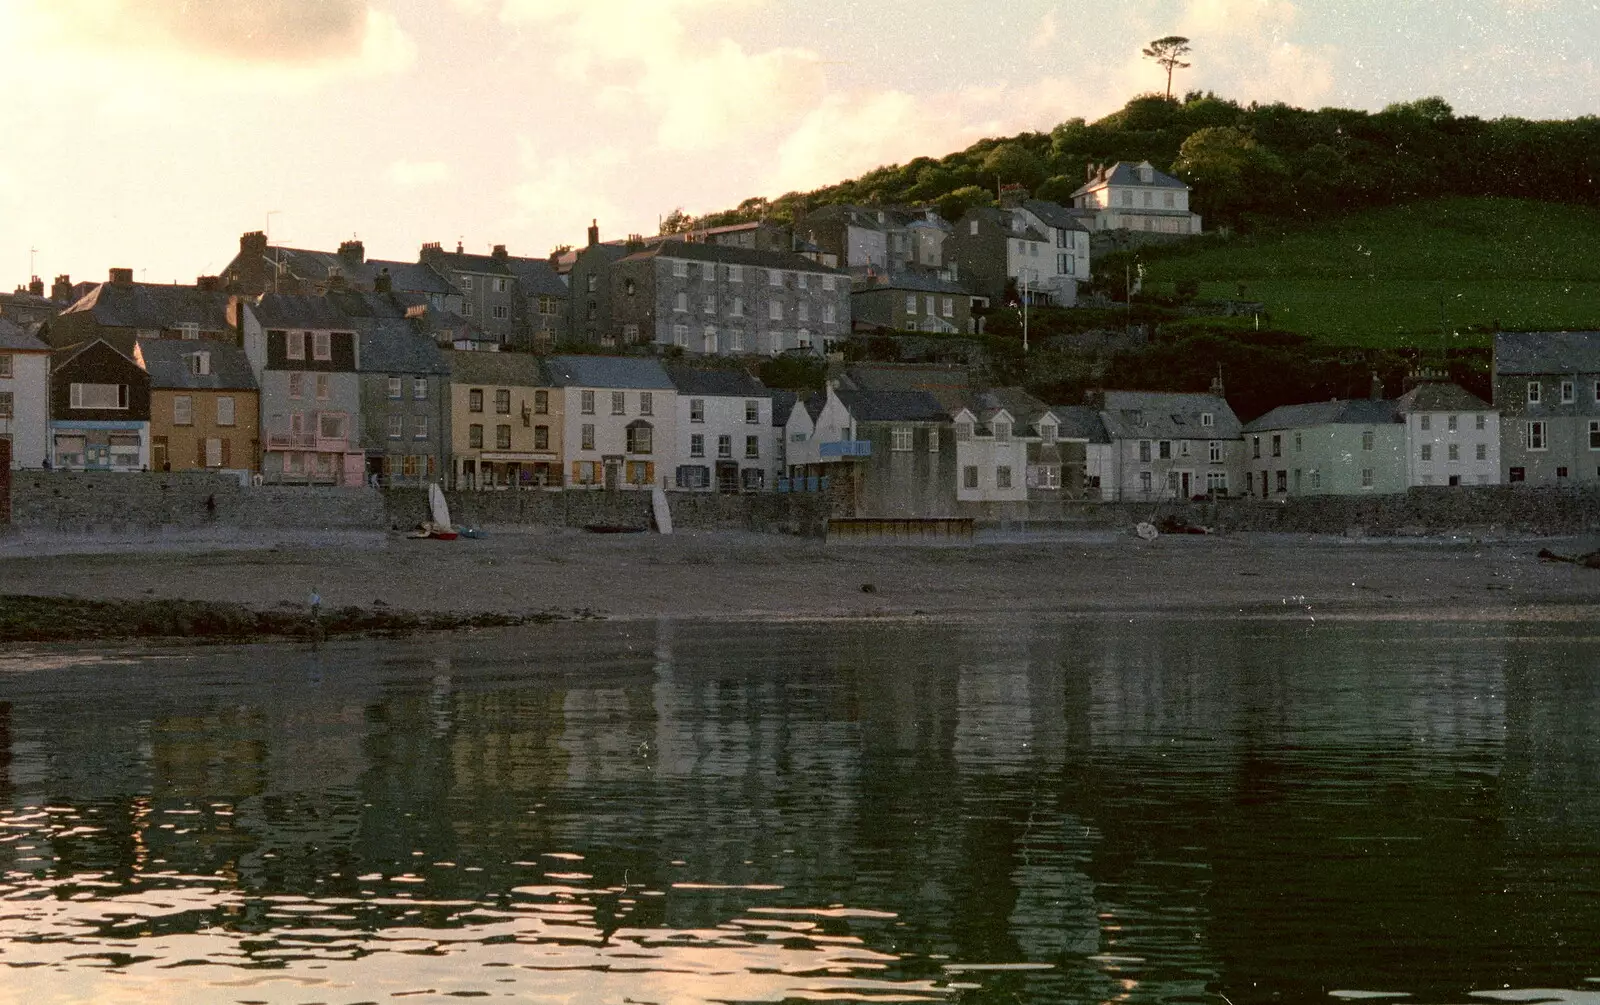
729,575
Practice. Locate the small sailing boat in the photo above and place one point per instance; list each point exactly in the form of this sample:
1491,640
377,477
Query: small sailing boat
439,528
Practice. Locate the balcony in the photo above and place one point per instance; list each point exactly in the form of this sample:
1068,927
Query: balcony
291,441
839,449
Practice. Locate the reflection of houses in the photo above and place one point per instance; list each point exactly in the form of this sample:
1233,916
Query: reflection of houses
1326,448
725,440
24,396
506,423
619,420
204,409
890,453
99,409
304,353
1170,446
1129,196
1547,389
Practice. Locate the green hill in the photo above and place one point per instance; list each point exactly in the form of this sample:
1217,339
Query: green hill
1401,275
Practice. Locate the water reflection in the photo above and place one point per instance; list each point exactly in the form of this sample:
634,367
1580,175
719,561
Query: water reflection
1084,810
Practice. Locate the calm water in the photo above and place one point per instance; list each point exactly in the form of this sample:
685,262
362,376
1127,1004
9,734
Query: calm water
1080,811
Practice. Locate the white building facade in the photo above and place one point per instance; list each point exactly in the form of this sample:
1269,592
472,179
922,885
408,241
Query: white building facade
24,396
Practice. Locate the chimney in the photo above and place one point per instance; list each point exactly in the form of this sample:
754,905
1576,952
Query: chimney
594,232
61,291
254,242
383,282
353,251
460,248
501,253
431,251
122,277
1095,398
1216,386
208,284
36,286
1377,387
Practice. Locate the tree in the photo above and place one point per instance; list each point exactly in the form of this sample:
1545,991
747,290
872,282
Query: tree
953,205
1168,53
677,222
1013,163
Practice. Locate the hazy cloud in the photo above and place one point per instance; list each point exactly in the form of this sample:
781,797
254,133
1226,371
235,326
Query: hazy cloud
415,174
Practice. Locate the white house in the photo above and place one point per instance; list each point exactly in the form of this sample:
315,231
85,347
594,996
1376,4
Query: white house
620,425
1171,446
1064,263
726,441
1452,436
24,396
1129,196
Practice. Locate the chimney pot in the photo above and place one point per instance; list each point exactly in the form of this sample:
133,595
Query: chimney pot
354,251
460,248
594,232
500,251
36,286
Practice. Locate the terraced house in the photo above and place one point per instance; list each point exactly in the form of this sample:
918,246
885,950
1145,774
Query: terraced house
24,396
204,407
405,407
1547,390
619,420
506,422
1170,446
99,409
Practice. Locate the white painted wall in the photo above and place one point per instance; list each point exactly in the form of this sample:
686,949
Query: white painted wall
725,416
1466,437
29,425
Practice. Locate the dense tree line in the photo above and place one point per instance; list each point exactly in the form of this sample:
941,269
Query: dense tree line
1250,165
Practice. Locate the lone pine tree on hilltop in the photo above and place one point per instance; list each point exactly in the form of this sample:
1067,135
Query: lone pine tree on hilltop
1168,52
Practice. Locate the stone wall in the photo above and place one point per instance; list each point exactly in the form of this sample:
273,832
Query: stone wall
5,482
799,514
101,502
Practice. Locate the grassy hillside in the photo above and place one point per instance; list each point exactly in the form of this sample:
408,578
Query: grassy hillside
1387,277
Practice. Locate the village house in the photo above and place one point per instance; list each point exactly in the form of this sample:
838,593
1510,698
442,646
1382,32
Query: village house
260,268
1134,197
122,311
726,441
405,402
1082,424
911,302
204,408
1547,390
1170,446
1015,252
881,239
1339,447
620,420
1012,455
28,307
24,396
889,453
506,422
587,271
715,301
1452,436
304,353
99,409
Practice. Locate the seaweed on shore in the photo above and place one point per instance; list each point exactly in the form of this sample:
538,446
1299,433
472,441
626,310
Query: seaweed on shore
73,619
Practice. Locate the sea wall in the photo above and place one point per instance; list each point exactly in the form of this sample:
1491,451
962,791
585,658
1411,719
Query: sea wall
799,514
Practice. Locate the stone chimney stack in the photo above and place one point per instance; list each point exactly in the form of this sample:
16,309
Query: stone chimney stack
594,232
460,248
501,253
36,286
254,242
1216,386
383,282
353,251
61,290
122,277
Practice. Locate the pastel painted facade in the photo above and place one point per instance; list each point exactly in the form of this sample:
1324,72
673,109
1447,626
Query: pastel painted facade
305,355
726,441
1547,391
620,421
204,407
1452,436
24,396
1354,447
99,410
506,422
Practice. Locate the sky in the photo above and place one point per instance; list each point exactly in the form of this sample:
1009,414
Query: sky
149,134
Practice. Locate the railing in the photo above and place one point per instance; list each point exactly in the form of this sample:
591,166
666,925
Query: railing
847,448
291,441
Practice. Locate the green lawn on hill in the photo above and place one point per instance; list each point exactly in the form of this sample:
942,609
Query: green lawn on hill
1386,278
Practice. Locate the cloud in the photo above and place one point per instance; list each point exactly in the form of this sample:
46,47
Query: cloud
1244,49
561,193
416,174
278,34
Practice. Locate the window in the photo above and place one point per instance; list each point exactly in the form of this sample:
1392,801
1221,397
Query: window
1002,432
396,426
500,312
680,335
216,452
296,385
1183,448
502,402
225,410
324,387
547,304
1316,478
200,363
724,446
5,364
1481,452
99,395
1569,393
593,284
775,310
409,465
1146,482
1283,481
735,273
1534,392
586,402
680,269
475,400
1164,449
800,280
972,230
803,312
1536,436
499,285
710,305
331,425
1367,438
693,476
419,427
502,437
708,271
394,387
188,330
1453,452
1255,447
1481,421
737,307
1366,478
1002,477
1047,433
969,474
774,277
466,284
1064,264
182,410
294,344
619,403
1217,481
697,445
541,437
752,447
1561,472
1427,452
680,303
901,439
933,440
827,284
541,403
586,436
1277,444
647,403
1215,453
321,345
911,303
1517,475
1426,422
1594,437
1047,476
640,438
467,310
1450,423
1144,451
963,431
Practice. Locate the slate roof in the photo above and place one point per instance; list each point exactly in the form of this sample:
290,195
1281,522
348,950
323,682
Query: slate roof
1355,411
1080,422
697,252
1437,397
537,277
1547,352
393,345
716,383
913,281
617,372
1167,415
301,310
1025,409
1053,214
507,369
1003,219
1123,173
783,403
14,339
892,406
463,261
166,360
152,305
318,266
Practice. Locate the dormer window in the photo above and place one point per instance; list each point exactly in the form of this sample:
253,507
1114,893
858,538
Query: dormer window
1002,432
1206,420
1047,432
963,430
200,363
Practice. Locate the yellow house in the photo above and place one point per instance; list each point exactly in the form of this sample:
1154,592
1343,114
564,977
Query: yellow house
204,406
505,422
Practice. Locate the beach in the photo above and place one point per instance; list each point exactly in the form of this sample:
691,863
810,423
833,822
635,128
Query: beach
724,575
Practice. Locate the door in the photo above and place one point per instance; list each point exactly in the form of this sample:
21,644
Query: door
613,473
1186,480
158,453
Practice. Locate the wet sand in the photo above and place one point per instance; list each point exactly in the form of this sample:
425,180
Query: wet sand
730,575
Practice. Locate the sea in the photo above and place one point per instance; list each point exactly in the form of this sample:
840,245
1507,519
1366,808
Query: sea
1122,808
